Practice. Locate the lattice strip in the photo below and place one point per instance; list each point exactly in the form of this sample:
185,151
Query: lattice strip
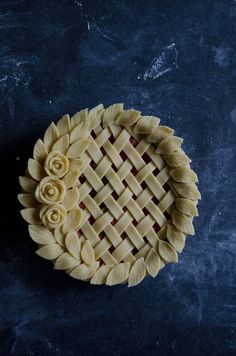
102,222
90,234
123,250
167,201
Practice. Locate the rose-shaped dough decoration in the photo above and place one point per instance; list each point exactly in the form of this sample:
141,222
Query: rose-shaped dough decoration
56,164
50,191
52,216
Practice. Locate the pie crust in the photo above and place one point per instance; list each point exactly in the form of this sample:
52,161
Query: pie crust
109,195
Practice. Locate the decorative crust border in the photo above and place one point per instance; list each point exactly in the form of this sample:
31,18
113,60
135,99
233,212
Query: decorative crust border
50,195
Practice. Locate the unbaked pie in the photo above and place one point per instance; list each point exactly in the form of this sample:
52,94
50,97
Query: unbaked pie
109,195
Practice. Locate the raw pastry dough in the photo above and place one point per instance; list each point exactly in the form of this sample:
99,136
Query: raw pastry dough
109,195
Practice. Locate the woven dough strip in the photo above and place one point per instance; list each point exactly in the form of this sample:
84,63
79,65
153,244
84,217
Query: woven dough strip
109,195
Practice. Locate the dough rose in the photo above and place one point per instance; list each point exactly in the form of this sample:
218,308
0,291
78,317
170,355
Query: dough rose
50,191
52,216
56,164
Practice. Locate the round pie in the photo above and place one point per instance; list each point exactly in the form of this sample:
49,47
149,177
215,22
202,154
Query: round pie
109,195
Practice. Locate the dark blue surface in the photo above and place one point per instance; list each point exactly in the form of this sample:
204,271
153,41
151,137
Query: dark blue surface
175,59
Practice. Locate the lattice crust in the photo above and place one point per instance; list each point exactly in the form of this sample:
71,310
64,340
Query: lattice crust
109,195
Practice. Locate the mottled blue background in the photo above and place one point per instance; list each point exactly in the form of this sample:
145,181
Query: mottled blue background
175,59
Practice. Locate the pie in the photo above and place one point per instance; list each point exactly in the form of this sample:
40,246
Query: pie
109,195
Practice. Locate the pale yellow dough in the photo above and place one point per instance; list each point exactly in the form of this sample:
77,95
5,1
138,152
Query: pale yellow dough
109,195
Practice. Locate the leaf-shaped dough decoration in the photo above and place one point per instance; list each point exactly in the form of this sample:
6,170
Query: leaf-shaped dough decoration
100,275
51,136
186,206
153,263
31,216
182,222
71,178
27,200
40,151
61,144
59,236
73,220
73,245
66,261
79,117
71,198
77,148
27,184
146,124
77,163
79,132
177,159
111,113
118,274
50,252
87,253
63,125
95,116
169,144
35,169
183,175
127,117
176,238
159,133
167,252
41,235
137,272
84,272
187,190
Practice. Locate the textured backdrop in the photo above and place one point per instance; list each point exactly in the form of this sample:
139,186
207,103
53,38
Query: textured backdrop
177,60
